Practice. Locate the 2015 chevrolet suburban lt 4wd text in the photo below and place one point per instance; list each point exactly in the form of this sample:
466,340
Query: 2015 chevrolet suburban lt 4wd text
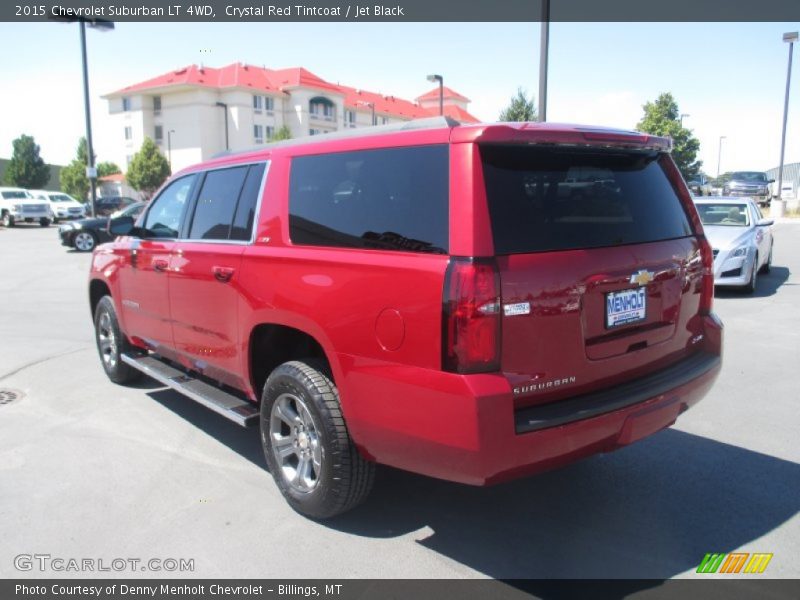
430,296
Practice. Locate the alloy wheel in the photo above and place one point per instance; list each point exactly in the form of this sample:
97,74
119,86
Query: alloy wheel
295,443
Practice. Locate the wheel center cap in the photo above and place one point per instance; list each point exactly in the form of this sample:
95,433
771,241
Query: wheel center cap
302,440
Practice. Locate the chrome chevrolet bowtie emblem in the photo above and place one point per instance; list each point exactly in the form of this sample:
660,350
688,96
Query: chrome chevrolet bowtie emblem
642,277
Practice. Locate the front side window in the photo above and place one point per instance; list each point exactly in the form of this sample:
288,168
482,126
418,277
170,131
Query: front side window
166,211
389,199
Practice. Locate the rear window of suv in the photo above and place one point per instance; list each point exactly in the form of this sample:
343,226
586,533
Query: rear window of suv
545,199
390,199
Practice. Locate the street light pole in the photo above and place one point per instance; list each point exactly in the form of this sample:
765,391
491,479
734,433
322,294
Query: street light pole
224,107
684,115
440,79
544,43
778,206
719,156
169,148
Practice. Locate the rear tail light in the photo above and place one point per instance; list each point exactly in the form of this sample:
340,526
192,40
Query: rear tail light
707,293
471,316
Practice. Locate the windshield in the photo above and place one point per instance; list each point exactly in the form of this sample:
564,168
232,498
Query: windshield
750,176
15,195
60,198
727,215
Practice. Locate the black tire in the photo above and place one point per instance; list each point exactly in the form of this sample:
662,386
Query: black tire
8,220
84,241
44,222
767,266
317,443
750,286
111,343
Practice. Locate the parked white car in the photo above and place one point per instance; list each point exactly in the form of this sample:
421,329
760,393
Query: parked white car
17,205
63,206
741,239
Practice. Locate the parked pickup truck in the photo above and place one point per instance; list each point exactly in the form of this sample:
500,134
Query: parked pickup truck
754,184
18,206
421,296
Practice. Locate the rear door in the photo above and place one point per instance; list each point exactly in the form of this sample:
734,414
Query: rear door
204,272
599,267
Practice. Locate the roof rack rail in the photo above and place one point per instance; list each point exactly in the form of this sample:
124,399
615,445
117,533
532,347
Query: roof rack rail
414,124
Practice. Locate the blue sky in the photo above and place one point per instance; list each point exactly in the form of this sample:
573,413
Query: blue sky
729,77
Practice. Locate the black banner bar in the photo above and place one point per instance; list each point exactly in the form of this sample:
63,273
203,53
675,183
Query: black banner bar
745,588
284,11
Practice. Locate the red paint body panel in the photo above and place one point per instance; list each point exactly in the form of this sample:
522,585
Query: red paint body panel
378,317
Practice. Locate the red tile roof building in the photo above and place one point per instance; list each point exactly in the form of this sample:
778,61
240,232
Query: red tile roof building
186,110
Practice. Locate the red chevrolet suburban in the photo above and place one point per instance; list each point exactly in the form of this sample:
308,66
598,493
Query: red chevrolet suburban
442,298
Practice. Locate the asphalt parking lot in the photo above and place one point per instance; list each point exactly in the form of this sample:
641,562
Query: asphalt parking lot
92,470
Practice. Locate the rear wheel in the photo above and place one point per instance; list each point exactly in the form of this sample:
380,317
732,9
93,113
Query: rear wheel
111,343
85,241
306,444
44,222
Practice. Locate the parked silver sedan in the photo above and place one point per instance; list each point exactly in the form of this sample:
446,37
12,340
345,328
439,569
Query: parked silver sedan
741,239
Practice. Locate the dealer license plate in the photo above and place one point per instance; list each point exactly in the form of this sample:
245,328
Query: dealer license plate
625,307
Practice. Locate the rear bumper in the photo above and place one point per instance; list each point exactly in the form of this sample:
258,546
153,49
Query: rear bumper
465,429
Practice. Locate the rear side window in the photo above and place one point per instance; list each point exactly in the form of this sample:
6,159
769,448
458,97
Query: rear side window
544,199
216,204
226,203
391,199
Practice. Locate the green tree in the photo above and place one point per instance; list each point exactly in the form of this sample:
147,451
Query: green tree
107,168
282,134
662,118
148,169
26,168
73,177
521,108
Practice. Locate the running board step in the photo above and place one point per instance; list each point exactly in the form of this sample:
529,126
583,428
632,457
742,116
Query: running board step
232,407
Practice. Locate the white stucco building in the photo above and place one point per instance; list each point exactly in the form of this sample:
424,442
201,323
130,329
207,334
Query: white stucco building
186,111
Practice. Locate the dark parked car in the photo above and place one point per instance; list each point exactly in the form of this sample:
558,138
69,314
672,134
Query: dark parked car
85,234
106,206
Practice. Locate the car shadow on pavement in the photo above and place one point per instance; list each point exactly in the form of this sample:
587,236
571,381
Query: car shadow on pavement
767,285
651,510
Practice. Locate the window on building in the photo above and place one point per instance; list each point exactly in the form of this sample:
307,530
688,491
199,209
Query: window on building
159,134
258,103
321,108
390,199
216,204
128,133
349,118
269,104
258,133
385,120
314,131
270,131
156,105
126,103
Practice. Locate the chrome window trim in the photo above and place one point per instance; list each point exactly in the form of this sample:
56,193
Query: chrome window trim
251,241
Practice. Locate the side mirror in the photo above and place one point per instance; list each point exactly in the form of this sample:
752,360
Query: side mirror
765,222
121,226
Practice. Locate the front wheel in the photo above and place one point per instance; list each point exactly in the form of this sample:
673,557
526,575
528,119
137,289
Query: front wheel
111,343
750,286
8,220
84,241
306,444
44,222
